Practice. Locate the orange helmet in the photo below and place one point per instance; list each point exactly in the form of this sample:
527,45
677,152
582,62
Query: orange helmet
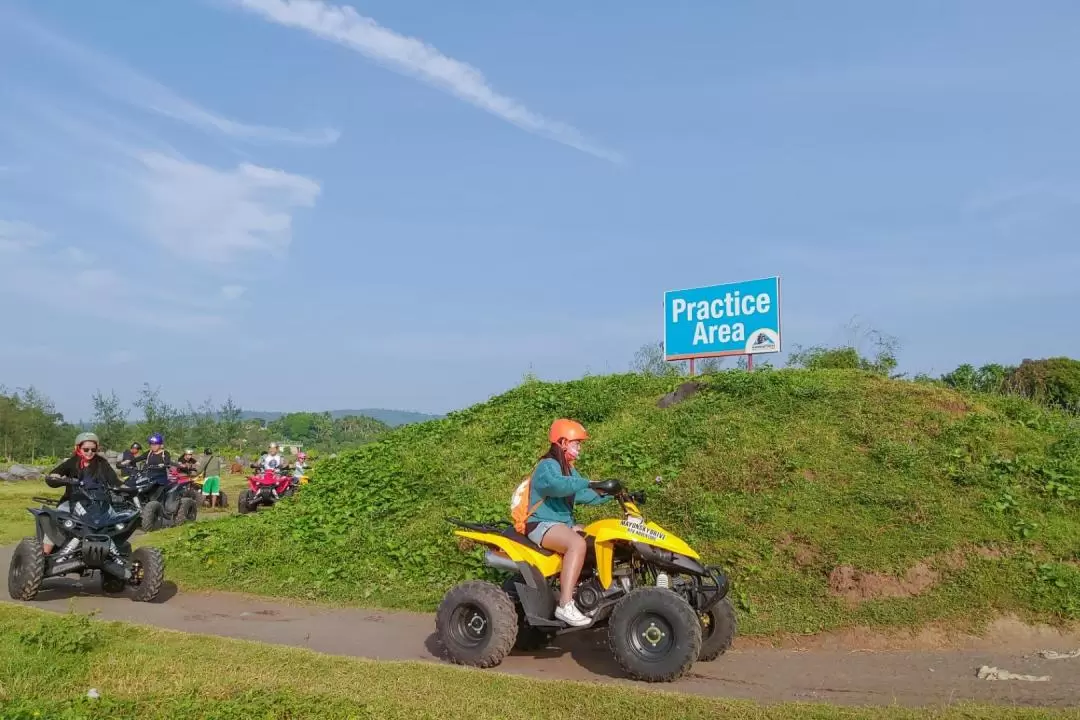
568,429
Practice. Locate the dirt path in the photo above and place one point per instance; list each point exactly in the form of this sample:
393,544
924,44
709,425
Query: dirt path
828,672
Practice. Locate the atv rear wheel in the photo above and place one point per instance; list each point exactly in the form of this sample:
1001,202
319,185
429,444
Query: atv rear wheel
718,627
223,500
27,569
151,516
529,638
112,584
148,573
188,511
243,505
654,635
476,623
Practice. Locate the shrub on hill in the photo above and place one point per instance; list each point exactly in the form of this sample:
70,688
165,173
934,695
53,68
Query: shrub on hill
834,497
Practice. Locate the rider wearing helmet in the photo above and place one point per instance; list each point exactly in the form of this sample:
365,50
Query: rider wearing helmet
187,463
129,459
157,460
84,465
300,465
553,489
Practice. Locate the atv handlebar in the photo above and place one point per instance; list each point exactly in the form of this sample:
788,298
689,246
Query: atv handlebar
615,488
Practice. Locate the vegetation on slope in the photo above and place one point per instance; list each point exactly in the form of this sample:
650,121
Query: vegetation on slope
834,497
49,662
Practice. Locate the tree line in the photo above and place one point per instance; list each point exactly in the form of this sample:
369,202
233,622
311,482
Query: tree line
32,429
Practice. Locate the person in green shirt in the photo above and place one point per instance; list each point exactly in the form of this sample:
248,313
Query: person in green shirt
210,468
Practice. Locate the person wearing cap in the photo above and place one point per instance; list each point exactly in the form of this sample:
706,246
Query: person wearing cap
273,459
157,460
131,457
210,468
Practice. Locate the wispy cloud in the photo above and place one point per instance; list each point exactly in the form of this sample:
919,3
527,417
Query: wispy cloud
416,58
16,236
204,213
127,85
233,292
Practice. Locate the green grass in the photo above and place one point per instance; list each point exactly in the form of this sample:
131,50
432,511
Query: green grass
48,662
15,521
780,476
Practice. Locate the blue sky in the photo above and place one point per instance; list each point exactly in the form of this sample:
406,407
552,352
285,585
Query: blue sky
405,204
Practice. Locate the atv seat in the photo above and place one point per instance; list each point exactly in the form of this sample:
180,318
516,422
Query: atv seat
501,527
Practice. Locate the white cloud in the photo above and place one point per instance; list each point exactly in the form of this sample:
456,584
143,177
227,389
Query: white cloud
233,292
203,213
413,57
119,357
15,236
127,85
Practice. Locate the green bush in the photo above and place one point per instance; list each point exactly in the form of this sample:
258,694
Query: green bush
1054,381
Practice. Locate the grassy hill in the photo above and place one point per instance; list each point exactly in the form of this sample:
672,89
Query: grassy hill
393,418
833,497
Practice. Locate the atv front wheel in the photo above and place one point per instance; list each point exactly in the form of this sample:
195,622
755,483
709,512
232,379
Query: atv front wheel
718,628
654,635
27,569
188,511
243,502
476,623
151,516
148,573
111,584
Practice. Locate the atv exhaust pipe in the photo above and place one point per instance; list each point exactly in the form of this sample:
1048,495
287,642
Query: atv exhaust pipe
501,562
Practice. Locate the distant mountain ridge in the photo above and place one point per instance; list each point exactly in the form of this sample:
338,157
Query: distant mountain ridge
393,418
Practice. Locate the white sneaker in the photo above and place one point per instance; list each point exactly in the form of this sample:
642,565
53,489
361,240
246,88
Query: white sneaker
570,615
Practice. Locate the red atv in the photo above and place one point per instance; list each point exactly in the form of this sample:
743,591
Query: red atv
265,488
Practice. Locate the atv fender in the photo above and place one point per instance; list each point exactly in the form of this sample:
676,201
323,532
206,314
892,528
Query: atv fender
536,598
45,526
547,565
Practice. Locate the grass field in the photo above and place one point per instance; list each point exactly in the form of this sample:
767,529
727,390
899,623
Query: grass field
834,498
48,663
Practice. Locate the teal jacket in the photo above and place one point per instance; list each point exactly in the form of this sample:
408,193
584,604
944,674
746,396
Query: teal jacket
554,494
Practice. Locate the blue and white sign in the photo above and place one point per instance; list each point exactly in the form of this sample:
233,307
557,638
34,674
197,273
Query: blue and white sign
734,319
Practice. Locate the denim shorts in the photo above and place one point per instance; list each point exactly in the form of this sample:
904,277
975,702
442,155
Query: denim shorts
538,532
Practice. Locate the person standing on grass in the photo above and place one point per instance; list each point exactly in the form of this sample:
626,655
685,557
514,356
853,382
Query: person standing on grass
210,469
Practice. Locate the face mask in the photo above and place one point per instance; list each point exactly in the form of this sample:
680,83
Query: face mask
573,449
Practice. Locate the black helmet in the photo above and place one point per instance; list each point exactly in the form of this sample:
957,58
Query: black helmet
136,446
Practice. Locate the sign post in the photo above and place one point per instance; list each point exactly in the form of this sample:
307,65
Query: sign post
721,320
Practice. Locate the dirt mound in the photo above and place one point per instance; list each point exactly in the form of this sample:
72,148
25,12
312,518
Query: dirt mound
856,586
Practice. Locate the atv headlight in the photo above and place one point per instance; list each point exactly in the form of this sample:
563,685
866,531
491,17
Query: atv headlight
69,524
120,526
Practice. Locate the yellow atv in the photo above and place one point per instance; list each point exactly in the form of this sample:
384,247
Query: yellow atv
663,609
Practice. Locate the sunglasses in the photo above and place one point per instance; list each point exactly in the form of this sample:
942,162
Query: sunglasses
88,448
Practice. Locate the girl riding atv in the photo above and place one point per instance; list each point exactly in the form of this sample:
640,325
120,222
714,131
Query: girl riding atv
543,506
85,465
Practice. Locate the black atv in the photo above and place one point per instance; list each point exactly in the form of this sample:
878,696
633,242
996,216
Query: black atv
91,534
162,506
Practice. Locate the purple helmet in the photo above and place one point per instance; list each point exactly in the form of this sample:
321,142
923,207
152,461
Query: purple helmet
156,439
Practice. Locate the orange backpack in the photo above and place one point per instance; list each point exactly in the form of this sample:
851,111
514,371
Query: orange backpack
519,504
